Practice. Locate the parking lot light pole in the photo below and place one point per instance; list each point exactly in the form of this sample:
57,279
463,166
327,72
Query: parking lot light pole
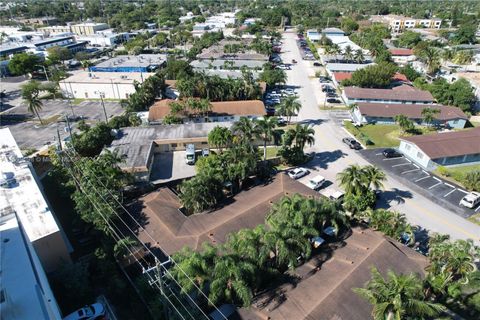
102,95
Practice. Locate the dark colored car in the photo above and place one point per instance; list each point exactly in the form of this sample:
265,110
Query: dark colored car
333,100
391,153
352,143
331,94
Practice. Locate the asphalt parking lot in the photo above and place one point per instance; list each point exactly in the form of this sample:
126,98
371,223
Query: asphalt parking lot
30,134
438,190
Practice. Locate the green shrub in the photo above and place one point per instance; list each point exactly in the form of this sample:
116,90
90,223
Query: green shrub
471,180
443,171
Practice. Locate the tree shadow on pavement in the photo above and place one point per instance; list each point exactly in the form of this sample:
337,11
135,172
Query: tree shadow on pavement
394,196
323,159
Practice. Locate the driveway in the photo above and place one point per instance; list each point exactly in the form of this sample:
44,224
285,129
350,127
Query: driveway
170,166
332,156
432,187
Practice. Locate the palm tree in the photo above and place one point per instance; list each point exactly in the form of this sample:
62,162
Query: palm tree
353,179
244,128
302,135
428,115
431,57
404,123
194,265
231,279
30,95
463,57
397,297
348,53
220,137
265,130
335,50
86,64
285,246
248,244
359,56
375,176
289,107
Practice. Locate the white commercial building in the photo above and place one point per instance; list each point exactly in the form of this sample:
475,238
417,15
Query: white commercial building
24,287
399,23
21,194
108,85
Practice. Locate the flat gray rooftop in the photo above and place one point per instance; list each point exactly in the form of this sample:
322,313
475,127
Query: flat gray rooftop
142,60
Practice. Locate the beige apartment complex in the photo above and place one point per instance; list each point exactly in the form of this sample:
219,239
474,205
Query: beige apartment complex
400,23
81,29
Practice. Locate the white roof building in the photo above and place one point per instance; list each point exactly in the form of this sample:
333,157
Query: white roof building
25,198
24,286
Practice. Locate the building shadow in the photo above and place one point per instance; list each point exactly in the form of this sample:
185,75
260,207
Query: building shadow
323,159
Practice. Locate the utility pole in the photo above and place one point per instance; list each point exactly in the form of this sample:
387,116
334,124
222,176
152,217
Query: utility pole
102,95
59,140
69,128
158,278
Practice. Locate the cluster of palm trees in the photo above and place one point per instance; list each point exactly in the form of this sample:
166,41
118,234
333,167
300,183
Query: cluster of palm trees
251,258
289,107
391,223
452,279
187,108
214,88
360,185
145,93
349,55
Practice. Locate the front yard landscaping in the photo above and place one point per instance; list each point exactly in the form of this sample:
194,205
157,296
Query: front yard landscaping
457,174
381,135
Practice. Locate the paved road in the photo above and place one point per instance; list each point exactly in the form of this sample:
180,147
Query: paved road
333,156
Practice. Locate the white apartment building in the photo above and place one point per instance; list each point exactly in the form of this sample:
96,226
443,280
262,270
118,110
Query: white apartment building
21,194
107,85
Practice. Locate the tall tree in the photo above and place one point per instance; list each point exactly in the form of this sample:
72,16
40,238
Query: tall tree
289,107
348,54
404,123
220,137
265,130
359,56
302,134
244,129
23,63
429,115
30,94
397,297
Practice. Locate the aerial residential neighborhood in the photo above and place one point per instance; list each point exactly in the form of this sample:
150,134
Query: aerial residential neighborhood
269,159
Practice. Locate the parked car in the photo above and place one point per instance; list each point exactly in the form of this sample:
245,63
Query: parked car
333,194
190,154
352,143
294,61
316,182
331,94
317,64
333,100
391,153
297,173
90,312
323,79
471,200
205,152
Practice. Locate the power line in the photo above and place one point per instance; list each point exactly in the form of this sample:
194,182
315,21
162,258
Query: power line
133,233
118,238
158,244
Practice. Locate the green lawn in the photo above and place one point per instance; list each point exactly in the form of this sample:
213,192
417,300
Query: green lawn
456,174
381,135
475,218
272,151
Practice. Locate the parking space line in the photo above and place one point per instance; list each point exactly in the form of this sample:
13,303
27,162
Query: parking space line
435,185
410,171
379,154
449,192
408,160
437,179
425,172
447,184
466,192
428,176
387,159
476,210
416,166
401,164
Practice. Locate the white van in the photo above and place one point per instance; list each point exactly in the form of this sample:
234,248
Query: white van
333,194
190,154
316,182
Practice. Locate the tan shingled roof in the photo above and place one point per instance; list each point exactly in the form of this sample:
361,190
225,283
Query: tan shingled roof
240,108
448,144
173,230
